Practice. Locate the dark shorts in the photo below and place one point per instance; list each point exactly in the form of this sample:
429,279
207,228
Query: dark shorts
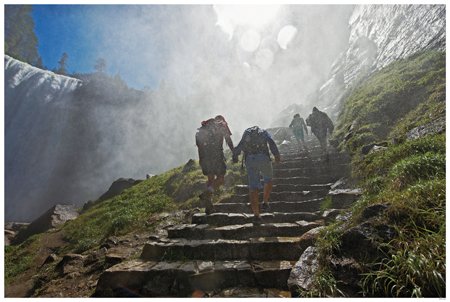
213,165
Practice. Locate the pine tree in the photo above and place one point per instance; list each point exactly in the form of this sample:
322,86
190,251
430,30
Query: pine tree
20,39
62,69
100,65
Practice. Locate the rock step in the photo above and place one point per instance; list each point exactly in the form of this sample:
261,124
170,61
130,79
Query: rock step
221,219
263,248
309,164
332,157
312,205
306,180
311,168
279,196
343,198
336,173
139,278
243,189
241,231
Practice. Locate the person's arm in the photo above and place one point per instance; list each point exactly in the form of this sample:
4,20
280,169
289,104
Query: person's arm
273,147
238,149
229,142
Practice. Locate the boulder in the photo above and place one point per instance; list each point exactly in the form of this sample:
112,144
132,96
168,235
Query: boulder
70,263
118,186
54,217
302,274
435,127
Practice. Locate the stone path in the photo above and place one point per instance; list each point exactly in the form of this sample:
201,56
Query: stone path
224,250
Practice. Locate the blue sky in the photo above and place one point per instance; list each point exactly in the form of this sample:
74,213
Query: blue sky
88,32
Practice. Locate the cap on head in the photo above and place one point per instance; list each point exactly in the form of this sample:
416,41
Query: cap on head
296,115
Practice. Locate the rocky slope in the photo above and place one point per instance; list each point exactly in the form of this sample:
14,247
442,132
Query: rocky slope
379,35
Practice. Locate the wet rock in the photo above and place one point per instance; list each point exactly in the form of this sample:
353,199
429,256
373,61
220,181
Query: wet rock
117,187
379,35
16,226
50,259
371,148
344,198
54,217
373,210
364,240
189,166
9,236
154,237
110,242
330,215
435,127
302,273
348,271
70,263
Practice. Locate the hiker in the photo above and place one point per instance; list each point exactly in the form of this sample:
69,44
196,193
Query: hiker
299,128
209,140
321,125
258,163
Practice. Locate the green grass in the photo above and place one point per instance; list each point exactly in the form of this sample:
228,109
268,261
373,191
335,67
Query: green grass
396,93
20,258
409,177
131,211
120,214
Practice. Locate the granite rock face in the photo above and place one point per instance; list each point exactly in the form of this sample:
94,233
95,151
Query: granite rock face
55,216
380,35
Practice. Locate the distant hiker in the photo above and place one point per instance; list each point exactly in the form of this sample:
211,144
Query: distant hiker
258,163
321,125
299,128
209,140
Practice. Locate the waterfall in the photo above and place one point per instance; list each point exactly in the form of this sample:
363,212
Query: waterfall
37,103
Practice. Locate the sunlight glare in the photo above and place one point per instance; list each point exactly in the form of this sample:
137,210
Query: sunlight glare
286,35
230,16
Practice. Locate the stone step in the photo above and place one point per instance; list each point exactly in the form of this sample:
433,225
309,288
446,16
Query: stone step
344,198
337,172
139,278
263,248
312,205
309,163
221,219
243,189
306,180
278,196
332,157
241,231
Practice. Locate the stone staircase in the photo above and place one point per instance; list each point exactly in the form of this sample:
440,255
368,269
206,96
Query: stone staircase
225,250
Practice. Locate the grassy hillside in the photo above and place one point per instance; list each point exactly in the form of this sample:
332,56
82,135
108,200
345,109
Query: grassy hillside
407,177
132,211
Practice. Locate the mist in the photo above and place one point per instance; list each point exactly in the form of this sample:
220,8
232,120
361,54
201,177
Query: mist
196,67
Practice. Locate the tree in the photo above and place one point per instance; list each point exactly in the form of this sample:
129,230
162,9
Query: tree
100,65
20,39
62,64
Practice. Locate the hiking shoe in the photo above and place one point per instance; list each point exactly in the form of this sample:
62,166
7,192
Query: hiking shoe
257,220
265,207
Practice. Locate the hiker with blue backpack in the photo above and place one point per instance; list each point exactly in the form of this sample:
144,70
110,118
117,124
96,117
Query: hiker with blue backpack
255,144
209,140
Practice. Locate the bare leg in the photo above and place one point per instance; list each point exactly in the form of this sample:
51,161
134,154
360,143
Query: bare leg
254,202
267,190
219,181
